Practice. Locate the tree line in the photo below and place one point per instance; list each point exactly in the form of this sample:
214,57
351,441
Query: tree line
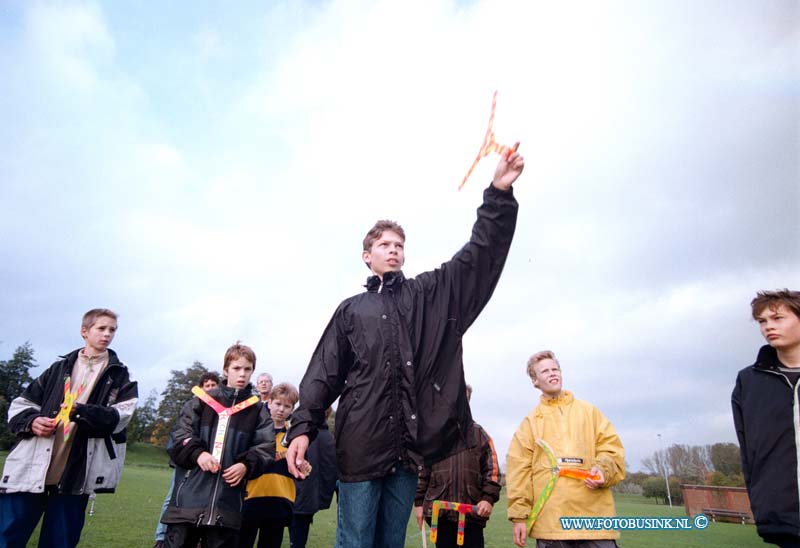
716,464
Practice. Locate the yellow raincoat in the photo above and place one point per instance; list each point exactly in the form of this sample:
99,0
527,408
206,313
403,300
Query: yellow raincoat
580,437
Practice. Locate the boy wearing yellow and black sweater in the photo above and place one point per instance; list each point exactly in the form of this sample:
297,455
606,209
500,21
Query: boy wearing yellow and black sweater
268,505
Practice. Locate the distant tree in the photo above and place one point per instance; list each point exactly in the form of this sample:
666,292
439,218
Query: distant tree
140,429
14,373
690,463
655,464
655,488
721,479
177,393
14,378
726,459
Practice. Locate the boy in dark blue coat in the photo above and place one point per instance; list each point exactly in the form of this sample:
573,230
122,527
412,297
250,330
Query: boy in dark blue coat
765,407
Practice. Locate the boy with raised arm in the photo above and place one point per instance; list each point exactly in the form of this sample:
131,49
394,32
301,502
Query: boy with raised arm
392,354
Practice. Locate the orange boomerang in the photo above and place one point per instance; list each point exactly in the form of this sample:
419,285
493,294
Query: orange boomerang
66,408
224,414
489,145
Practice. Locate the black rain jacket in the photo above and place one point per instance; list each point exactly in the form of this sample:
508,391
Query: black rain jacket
394,357
765,405
203,498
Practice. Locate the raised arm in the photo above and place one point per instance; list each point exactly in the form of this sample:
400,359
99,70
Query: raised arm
468,280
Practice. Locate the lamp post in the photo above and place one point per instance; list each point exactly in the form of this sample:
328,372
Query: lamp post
666,478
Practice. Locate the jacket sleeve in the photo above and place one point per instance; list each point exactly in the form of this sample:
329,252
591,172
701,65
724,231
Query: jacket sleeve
738,423
185,445
609,453
261,454
28,405
324,378
469,278
490,470
99,421
519,473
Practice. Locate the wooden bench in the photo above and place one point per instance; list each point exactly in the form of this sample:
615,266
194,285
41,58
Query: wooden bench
715,513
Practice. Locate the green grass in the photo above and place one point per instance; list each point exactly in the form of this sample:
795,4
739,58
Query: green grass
128,518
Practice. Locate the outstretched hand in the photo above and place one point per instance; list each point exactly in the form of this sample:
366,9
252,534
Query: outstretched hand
508,169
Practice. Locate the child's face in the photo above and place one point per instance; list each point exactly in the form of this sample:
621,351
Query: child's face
100,335
280,409
210,384
387,253
781,327
239,372
548,377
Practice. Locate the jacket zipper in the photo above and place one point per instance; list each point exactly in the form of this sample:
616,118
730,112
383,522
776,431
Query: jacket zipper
795,420
219,474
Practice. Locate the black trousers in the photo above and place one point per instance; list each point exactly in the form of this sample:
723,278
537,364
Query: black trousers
180,535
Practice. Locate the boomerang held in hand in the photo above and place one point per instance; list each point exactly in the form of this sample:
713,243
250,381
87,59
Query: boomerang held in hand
66,408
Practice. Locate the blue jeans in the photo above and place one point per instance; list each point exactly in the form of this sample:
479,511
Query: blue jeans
376,512
161,528
63,519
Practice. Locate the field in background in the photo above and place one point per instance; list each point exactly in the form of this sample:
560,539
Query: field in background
128,518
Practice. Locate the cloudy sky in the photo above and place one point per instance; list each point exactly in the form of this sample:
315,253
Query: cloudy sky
208,170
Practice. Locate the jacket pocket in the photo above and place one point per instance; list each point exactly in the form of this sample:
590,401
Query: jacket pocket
105,459
26,466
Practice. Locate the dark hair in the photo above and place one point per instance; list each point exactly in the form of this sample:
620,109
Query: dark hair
772,299
210,376
379,228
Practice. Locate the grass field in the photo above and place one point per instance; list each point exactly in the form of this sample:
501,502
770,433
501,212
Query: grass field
128,518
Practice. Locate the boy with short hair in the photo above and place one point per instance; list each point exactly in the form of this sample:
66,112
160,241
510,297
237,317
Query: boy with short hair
59,461
393,357
765,404
206,503
268,505
208,382
580,436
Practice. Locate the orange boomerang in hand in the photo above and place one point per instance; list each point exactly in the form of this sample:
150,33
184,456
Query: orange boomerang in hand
489,145
66,407
577,473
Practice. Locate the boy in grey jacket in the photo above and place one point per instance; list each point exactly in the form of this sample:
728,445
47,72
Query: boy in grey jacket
70,423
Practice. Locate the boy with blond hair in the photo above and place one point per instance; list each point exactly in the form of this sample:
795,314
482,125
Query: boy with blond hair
58,460
270,498
207,500
580,437
765,407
